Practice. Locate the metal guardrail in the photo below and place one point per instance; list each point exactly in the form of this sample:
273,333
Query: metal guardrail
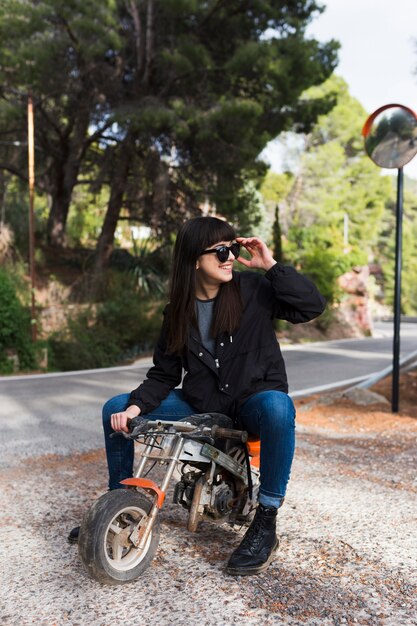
406,361
390,318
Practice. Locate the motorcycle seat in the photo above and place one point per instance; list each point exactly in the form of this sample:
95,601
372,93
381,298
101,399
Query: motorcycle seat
254,445
209,419
254,449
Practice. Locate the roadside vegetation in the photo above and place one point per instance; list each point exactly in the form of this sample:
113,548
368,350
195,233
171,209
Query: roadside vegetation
149,113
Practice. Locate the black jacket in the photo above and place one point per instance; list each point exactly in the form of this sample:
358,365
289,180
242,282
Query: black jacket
246,363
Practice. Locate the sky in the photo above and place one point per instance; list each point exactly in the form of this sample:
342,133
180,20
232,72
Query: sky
378,54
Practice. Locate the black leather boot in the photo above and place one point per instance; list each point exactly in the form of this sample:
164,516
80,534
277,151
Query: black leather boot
257,546
73,536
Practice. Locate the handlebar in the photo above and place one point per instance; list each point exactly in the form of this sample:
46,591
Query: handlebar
216,432
180,427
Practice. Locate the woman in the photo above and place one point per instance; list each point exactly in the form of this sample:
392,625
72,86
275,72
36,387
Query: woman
218,328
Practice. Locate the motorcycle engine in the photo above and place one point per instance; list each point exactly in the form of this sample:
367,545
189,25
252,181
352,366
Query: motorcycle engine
217,499
184,491
221,500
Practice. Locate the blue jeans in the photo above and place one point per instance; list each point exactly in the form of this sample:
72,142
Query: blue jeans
268,414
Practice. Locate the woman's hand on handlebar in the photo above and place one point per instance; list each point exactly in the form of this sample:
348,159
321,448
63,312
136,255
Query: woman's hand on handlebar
119,421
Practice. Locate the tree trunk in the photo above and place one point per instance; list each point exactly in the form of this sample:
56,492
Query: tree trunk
149,41
3,187
277,237
118,186
64,177
58,215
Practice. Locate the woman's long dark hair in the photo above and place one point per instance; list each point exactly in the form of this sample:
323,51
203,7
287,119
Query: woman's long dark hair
197,235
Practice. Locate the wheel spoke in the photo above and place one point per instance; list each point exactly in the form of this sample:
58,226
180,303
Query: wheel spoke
121,552
117,549
116,529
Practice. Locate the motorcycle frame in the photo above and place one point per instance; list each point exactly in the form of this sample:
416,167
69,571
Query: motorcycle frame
173,456
150,485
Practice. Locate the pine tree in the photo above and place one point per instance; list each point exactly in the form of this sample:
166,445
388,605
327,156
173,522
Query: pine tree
191,91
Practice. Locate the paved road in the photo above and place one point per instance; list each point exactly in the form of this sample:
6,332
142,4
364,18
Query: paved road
61,413
318,364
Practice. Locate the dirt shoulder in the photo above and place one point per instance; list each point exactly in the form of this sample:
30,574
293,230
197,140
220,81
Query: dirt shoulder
347,552
337,412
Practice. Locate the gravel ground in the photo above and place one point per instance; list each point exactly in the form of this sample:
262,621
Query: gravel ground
347,553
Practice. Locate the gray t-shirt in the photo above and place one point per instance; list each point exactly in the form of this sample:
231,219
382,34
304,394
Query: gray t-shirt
205,310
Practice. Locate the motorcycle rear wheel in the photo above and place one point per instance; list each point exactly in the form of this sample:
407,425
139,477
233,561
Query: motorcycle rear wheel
105,549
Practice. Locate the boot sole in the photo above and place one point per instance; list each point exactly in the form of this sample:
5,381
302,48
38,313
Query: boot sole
248,571
72,540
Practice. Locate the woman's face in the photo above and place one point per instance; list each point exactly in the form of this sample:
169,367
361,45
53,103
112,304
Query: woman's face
210,271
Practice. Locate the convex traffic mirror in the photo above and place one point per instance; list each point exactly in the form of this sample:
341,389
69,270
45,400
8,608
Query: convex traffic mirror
391,136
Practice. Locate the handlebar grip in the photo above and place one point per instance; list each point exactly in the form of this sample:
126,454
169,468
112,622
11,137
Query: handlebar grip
229,433
120,433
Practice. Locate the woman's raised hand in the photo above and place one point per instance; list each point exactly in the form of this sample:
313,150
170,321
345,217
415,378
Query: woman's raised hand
261,256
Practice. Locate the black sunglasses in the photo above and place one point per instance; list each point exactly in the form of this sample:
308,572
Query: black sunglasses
222,252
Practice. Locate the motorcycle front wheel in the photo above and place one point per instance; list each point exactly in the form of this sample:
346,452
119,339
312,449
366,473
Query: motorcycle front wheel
104,543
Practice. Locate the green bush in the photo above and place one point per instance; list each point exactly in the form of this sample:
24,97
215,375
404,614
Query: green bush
147,268
15,329
325,265
121,327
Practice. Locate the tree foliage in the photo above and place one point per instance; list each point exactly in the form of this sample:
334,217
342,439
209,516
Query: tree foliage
335,176
167,103
56,51
386,249
332,180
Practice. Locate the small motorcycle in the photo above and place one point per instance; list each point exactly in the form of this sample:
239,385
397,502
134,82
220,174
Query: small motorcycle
217,473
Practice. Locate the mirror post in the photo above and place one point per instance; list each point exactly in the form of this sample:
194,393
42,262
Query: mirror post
397,292
390,135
